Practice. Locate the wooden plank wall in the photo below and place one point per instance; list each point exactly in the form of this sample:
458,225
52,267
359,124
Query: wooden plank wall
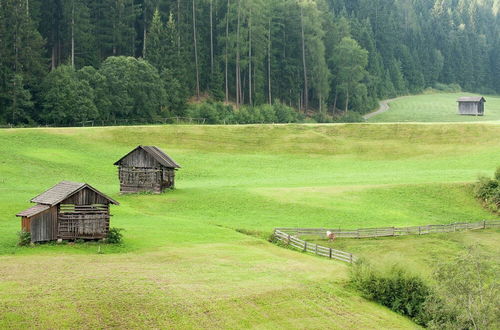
43,226
83,221
154,180
140,158
85,196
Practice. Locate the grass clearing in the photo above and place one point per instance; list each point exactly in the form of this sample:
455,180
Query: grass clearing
183,262
435,107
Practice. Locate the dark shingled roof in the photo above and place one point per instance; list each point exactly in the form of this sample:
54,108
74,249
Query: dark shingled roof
63,190
157,154
33,210
471,99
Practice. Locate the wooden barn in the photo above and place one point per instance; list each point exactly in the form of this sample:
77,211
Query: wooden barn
69,210
471,105
146,169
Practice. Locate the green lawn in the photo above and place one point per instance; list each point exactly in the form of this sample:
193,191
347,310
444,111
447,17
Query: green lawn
184,264
435,107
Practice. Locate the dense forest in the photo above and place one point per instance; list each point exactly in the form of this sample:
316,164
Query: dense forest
64,61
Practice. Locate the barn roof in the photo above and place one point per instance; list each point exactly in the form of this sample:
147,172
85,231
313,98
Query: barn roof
471,99
33,210
63,190
158,154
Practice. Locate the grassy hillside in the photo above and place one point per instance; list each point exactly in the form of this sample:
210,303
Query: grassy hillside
420,254
435,107
183,262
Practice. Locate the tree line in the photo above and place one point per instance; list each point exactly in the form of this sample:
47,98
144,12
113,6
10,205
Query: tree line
68,60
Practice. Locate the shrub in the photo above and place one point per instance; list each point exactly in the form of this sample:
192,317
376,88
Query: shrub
350,117
218,113
488,191
467,293
285,114
24,238
322,117
398,290
451,88
114,236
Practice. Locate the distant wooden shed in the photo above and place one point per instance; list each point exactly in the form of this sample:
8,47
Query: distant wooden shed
69,210
471,105
146,169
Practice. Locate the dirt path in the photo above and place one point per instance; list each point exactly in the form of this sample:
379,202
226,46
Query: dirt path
383,107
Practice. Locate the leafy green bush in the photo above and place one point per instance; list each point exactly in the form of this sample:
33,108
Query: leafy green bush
24,238
467,293
322,117
219,113
400,291
451,88
350,117
488,191
114,236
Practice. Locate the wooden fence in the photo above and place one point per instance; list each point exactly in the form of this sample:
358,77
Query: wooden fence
313,248
392,231
289,235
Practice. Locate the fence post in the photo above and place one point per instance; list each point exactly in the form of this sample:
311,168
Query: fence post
484,224
350,258
316,249
288,240
330,253
393,231
305,246
419,230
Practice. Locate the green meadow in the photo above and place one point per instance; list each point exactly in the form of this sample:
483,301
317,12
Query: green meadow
185,261
435,107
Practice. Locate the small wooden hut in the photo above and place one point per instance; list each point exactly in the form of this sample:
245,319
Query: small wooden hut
146,168
69,210
471,105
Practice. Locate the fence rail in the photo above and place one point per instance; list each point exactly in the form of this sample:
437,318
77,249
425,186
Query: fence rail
392,231
289,235
313,248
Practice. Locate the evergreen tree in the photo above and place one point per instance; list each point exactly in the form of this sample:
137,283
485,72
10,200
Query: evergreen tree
351,60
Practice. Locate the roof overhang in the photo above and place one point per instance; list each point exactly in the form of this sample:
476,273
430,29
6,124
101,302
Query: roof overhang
34,210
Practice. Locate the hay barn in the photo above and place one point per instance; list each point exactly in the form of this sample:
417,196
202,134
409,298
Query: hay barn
471,105
146,169
69,210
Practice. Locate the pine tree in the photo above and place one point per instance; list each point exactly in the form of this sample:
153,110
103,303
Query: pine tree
351,60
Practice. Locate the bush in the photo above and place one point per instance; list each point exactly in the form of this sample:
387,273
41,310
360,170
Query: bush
398,290
114,236
24,238
488,191
451,88
219,113
350,117
467,293
322,117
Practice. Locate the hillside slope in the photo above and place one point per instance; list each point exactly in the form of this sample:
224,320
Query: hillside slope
183,263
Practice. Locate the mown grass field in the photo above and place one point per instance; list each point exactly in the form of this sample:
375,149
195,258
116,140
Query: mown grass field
183,262
435,107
